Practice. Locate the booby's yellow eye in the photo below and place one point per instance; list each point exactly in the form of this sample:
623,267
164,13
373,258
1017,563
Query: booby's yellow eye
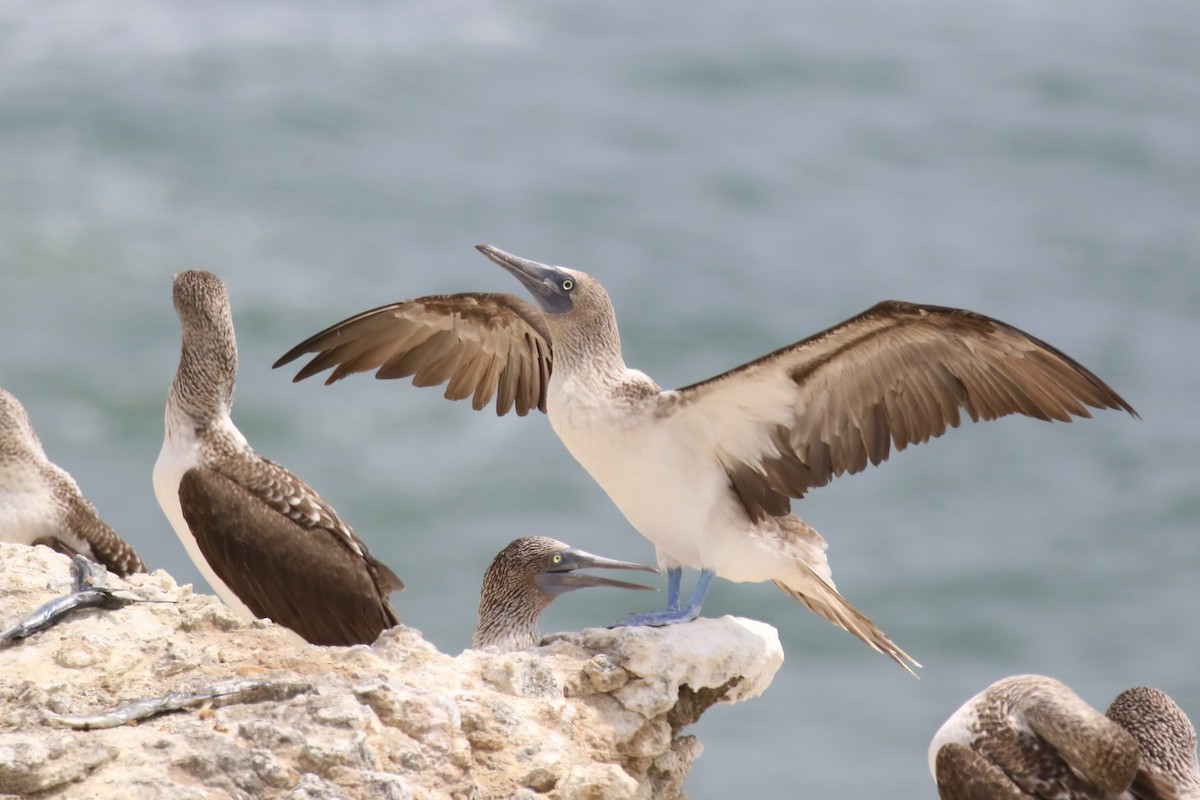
557,558
568,284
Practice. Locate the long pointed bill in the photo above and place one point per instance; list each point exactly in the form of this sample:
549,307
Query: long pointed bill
545,283
564,578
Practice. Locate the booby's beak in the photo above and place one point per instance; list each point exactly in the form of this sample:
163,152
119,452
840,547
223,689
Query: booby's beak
550,286
562,576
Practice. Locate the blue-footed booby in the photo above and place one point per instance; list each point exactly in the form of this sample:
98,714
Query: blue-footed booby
524,578
706,472
263,539
40,503
1029,737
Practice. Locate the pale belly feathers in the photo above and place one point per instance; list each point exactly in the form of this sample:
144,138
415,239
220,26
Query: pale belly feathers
673,493
180,452
30,510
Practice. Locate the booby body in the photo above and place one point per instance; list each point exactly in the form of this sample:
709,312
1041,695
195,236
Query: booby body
524,578
706,472
40,503
1029,737
263,539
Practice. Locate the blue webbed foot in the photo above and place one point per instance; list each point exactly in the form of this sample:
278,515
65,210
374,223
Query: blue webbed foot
658,619
673,614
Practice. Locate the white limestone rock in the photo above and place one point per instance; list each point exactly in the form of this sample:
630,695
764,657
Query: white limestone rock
596,714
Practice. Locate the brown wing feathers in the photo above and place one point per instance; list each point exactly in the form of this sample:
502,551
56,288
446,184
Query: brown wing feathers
330,595
895,375
481,345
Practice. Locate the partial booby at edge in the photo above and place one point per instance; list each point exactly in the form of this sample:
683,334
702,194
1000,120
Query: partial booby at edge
264,540
42,504
524,578
707,472
1029,737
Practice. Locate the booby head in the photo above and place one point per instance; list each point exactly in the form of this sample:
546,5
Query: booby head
1165,736
208,362
577,309
525,577
16,431
554,288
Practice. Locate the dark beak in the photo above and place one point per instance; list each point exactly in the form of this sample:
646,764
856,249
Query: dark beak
564,578
542,281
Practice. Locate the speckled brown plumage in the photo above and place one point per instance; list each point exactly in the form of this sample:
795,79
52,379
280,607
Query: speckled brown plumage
1029,737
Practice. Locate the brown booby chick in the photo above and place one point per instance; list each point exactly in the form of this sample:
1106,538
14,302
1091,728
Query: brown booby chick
524,578
264,540
40,503
707,472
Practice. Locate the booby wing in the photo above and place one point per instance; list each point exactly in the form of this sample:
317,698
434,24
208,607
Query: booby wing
484,344
963,774
286,554
107,547
896,374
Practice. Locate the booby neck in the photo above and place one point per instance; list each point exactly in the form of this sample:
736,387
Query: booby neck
202,391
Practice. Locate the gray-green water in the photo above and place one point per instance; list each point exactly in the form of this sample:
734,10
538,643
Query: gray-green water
739,175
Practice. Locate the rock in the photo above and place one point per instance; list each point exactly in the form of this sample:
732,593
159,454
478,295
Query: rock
596,714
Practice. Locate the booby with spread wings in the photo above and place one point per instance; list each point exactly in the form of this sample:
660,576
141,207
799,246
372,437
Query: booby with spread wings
707,472
263,539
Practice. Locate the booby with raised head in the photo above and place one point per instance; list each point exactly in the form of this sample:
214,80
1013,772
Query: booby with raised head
1029,737
525,577
40,503
263,539
706,472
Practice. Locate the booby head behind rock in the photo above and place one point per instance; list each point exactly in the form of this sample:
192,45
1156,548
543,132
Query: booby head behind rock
525,577
266,542
708,472
40,503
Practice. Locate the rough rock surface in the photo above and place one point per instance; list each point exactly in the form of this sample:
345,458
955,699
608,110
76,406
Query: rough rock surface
597,714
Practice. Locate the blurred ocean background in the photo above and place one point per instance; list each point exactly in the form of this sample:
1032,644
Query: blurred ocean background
739,175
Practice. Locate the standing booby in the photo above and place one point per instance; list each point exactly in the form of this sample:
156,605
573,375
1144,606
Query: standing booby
1167,741
263,539
706,472
40,503
524,578
1029,737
